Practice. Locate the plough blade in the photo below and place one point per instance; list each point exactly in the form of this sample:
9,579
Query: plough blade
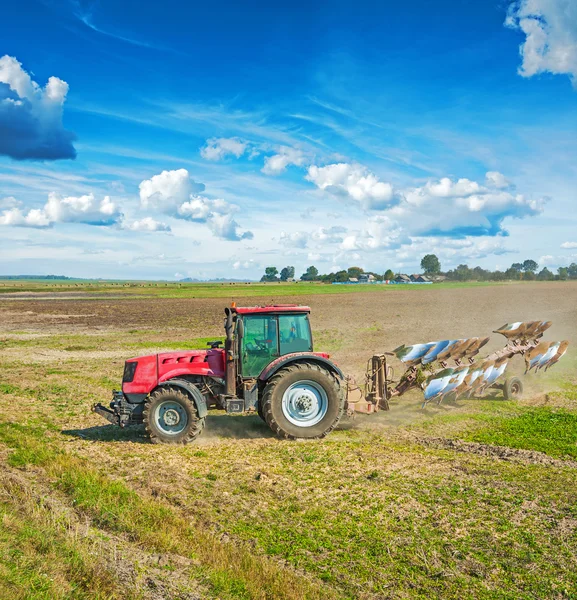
409,354
536,354
524,330
431,355
560,352
436,383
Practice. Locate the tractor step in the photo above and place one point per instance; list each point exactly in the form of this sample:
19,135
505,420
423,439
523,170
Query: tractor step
233,405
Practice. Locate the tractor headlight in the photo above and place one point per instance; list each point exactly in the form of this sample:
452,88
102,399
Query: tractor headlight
129,371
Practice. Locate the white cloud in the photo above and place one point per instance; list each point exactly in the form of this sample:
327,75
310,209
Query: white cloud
353,181
546,261
31,116
219,148
329,235
174,193
200,208
462,207
496,179
226,228
70,209
569,245
168,190
277,164
380,233
9,202
296,239
244,264
550,28
146,224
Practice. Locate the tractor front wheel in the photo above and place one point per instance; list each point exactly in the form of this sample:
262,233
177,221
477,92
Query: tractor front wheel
303,400
170,417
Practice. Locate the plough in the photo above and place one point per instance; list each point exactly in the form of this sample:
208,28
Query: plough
449,368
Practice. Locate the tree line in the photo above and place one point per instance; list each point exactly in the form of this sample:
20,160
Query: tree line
431,266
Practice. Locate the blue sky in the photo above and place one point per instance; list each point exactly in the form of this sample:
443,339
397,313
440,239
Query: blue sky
184,139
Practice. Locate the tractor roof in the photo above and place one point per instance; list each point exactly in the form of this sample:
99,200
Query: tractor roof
274,308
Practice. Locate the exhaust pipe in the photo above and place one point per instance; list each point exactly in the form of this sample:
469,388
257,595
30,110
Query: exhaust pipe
230,360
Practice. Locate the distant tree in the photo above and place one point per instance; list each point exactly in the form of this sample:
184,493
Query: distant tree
529,276
389,274
572,270
463,273
270,274
544,274
513,273
287,273
496,276
355,272
530,266
563,273
480,274
517,267
430,264
341,276
311,274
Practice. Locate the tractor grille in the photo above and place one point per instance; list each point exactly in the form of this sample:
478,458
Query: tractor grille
129,371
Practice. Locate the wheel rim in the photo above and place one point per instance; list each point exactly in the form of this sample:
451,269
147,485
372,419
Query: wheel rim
305,403
170,417
515,389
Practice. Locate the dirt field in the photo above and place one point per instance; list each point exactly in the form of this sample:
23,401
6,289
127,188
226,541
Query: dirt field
472,499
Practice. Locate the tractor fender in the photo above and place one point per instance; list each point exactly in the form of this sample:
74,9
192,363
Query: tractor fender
191,390
287,359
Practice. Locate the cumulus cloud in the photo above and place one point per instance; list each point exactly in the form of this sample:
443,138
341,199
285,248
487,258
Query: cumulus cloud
147,224
176,194
296,239
329,235
31,116
550,28
355,182
380,233
497,180
286,156
244,264
168,190
569,245
462,207
219,148
70,209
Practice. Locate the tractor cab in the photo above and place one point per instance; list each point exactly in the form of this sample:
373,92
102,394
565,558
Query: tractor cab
264,334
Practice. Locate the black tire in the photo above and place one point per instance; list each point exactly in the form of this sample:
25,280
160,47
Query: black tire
513,388
259,410
182,405
278,384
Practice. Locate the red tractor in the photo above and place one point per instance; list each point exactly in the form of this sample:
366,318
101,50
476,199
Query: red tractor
267,365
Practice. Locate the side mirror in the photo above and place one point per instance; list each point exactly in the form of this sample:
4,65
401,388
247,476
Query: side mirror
240,328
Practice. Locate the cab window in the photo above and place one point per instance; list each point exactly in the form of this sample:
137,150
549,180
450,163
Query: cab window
259,343
294,334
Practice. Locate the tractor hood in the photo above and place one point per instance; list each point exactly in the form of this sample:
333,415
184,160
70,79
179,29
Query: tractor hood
143,373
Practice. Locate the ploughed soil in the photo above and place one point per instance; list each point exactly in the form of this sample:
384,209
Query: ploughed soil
350,326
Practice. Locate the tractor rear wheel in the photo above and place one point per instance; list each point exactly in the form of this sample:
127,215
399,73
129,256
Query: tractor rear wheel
170,417
513,388
303,400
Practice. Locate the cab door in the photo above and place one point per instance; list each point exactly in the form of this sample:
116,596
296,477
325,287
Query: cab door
259,344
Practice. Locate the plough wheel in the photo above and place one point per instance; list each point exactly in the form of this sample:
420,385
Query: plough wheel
513,388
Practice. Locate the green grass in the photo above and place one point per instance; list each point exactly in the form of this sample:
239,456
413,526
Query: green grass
543,429
220,290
